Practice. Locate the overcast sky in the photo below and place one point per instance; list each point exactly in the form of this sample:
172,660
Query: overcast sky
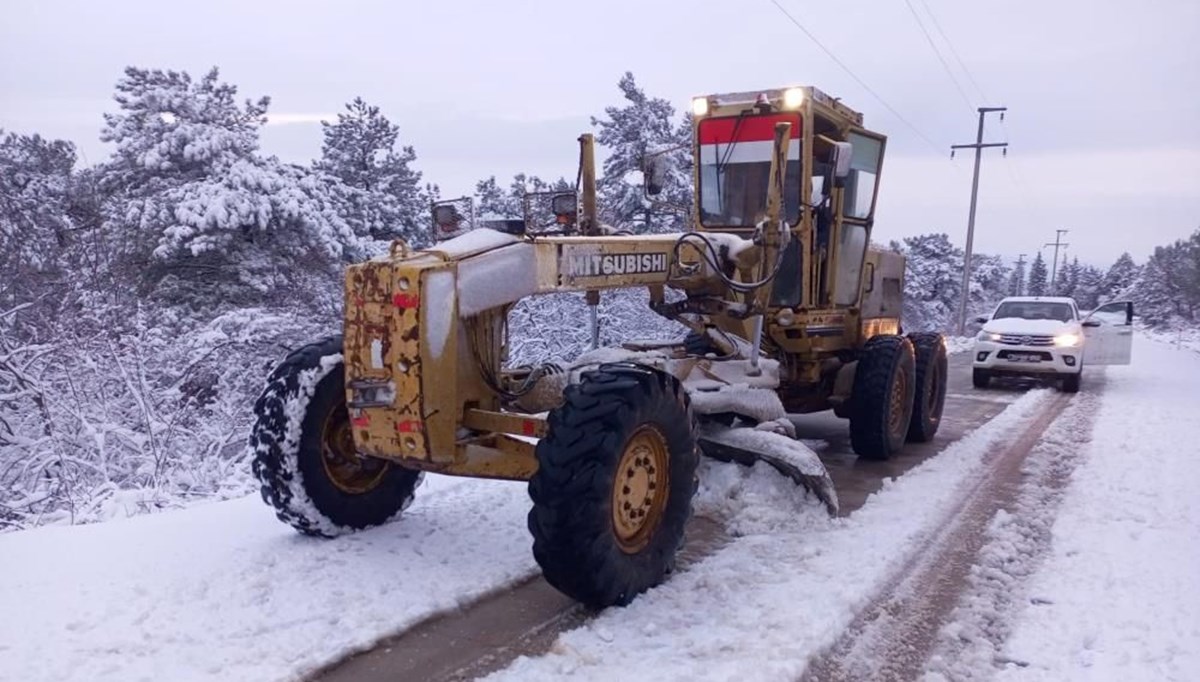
1103,96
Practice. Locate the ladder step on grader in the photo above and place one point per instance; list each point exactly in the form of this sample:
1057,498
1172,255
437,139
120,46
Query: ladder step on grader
788,310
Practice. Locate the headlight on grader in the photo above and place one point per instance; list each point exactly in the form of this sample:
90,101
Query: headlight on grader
793,98
700,106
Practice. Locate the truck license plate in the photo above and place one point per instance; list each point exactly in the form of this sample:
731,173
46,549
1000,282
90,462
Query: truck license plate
1025,357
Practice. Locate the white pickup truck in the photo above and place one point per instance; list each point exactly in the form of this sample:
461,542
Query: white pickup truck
1045,337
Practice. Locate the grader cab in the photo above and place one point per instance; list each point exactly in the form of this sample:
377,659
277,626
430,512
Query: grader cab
788,311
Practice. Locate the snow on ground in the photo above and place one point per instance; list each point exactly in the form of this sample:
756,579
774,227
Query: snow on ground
1015,542
1119,596
1179,337
959,344
226,592
786,586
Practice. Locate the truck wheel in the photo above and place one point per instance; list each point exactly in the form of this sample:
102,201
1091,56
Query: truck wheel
304,453
884,384
930,394
980,378
614,485
1070,382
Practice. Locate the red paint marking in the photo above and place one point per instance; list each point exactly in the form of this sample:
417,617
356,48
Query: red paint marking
757,128
409,426
362,422
359,302
528,428
406,300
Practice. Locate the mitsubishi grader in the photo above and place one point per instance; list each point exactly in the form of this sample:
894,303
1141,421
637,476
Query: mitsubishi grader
788,310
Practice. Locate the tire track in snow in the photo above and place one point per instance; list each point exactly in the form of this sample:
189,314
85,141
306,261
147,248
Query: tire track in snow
970,643
893,636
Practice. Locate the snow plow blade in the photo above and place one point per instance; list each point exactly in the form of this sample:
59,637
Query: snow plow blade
793,459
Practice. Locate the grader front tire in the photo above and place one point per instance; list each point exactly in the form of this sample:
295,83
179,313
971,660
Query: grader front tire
614,486
304,453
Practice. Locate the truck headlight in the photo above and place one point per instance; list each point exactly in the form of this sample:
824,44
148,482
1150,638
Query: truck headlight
1066,340
988,336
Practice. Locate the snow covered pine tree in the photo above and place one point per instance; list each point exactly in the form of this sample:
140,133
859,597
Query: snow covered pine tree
643,126
380,194
199,216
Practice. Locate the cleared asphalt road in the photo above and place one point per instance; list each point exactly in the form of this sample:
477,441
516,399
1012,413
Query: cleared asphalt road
525,619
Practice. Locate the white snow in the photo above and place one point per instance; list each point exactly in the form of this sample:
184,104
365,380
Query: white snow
762,404
226,592
475,241
1119,596
959,344
786,586
496,277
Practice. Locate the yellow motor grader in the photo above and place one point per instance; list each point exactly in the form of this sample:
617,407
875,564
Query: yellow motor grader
788,309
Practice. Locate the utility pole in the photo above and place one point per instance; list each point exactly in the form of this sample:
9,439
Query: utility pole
1020,270
978,147
1058,242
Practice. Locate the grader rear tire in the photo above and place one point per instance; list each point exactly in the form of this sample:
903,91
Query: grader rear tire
930,395
614,486
884,384
317,483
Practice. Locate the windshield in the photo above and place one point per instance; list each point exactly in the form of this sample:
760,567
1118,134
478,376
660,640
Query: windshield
735,166
1035,310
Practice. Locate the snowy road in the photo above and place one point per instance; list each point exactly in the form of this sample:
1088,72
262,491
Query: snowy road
528,618
1080,562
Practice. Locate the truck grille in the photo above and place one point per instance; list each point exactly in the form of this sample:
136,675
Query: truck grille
1026,340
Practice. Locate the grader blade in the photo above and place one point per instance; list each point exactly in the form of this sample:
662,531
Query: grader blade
746,446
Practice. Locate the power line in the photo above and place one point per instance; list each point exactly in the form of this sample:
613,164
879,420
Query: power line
954,52
932,145
938,53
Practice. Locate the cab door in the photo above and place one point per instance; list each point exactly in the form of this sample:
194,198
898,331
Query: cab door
1108,334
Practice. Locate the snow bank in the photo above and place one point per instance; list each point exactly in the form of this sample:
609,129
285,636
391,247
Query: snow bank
1119,596
226,592
960,344
786,586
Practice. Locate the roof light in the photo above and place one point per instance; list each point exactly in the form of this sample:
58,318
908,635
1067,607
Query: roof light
700,106
793,98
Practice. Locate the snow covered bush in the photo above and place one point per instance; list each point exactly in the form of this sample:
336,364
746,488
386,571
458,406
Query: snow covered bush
557,326
98,424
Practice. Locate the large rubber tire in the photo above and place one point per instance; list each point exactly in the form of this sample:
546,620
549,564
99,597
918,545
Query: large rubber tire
980,378
1070,382
930,396
304,396
575,535
882,410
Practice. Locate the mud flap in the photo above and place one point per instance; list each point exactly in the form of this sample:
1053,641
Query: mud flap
793,459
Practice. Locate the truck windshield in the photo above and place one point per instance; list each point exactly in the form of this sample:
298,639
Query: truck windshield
735,165
1035,310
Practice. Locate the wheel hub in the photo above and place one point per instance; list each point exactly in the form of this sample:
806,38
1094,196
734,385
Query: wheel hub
640,489
349,471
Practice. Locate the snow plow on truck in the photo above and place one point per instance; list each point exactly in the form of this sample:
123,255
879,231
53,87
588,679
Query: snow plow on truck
788,312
